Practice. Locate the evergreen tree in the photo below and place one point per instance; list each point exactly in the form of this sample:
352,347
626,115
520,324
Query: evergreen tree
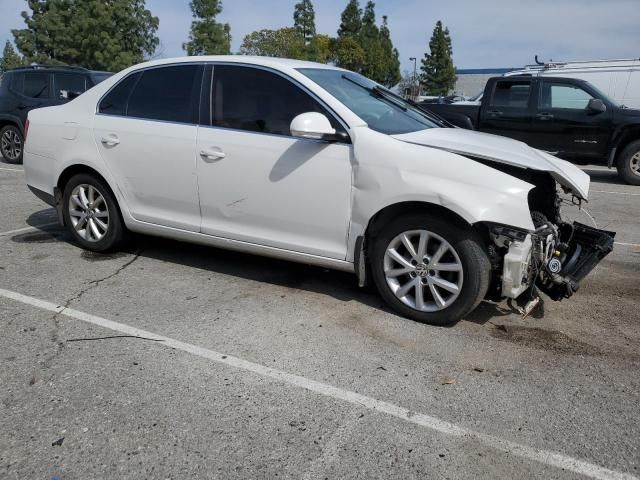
351,20
347,53
92,33
10,59
391,69
207,36
304,20
438,72
370,41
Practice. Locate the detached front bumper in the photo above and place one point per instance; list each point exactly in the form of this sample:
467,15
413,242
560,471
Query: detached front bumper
555,260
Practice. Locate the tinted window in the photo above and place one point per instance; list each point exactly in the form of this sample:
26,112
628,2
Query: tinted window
115,103
564,96
36,85
511,94
259,101
167,93
63,83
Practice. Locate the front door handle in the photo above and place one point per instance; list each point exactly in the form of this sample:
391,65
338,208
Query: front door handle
545,116
110,141
495,113
212,155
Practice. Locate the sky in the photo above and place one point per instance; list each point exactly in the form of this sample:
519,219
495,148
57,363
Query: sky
485,33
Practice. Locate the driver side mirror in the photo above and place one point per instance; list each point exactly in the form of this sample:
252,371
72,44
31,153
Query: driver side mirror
312,125
596,105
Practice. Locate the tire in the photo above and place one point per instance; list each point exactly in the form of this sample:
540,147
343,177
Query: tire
81,196
11,144
629,163
461,246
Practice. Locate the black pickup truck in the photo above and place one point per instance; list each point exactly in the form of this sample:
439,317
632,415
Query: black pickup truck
564,116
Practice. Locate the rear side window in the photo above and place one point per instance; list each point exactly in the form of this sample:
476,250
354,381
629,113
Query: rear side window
168,94
115,103
63,83
36,85
255,100
511,94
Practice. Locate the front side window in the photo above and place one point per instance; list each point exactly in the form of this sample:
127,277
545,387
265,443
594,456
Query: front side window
383,111
256,100
36,85
557,95
511,94
65,83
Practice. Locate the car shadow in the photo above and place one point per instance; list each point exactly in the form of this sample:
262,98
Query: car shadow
338,285
604,176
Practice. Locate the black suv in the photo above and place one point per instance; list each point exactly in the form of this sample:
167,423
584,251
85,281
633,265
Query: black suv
25,88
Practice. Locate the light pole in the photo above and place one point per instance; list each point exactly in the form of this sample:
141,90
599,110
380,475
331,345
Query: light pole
415,77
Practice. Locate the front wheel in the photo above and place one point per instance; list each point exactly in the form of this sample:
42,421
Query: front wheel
92,215
429,269
11,144
629,163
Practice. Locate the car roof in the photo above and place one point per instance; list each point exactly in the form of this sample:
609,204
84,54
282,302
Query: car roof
273,62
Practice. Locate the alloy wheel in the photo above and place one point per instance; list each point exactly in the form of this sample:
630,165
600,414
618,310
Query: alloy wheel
89,213
635,164
11,144
423,270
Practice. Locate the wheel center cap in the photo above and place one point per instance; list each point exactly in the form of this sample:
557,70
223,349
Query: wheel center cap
422,270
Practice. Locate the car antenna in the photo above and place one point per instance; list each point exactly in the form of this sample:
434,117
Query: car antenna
538,62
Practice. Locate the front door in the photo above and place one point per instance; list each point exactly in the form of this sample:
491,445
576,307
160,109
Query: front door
260,185
146,132
563,123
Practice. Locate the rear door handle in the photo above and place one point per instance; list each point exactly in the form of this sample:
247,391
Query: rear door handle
495,113
545,116
212,154
110,140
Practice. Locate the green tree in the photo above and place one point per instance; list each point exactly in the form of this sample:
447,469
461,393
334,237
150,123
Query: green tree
351,20
97,34
10,59
319,50
391,67
369,39
438,72
347,53
304,20
207,36
284,43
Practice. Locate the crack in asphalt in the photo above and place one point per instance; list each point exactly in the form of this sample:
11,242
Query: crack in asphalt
59,344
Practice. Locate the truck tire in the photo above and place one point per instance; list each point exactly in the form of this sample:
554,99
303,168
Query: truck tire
629,163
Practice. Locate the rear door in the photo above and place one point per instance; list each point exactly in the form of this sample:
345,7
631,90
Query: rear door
508,110
145,130
563,123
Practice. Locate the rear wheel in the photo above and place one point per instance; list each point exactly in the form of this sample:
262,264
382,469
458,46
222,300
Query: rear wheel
629,163
430,270
11,144
92,215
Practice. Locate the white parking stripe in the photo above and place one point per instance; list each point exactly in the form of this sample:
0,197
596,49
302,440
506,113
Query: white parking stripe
615,193
423,420
12,169
27,229
628,244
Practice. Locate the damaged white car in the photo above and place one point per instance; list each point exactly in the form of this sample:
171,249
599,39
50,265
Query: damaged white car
313,164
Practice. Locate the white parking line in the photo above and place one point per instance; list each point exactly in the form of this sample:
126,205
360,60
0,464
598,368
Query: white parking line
546,457
627,244
615,193
27,229
12,169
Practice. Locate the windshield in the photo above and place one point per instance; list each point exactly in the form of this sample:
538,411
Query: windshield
383,110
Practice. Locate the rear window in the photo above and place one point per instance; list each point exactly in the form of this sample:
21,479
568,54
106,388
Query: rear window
65,83
511,94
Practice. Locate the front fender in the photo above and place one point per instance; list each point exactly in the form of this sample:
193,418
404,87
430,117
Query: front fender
387,171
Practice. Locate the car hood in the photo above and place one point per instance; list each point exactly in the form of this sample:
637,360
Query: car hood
501,150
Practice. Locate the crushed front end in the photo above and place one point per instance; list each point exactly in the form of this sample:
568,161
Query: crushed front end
554,258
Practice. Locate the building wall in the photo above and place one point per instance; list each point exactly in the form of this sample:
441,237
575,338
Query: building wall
471,82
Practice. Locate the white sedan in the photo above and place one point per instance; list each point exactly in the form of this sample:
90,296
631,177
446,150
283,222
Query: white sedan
314,164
